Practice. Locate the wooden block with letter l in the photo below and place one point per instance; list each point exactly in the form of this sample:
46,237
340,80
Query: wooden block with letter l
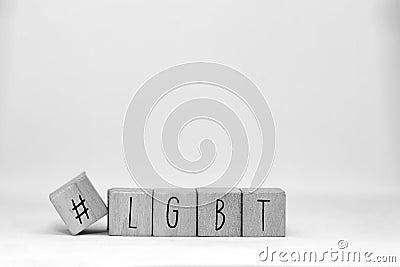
130,211
219,213
264,212
78,203
174,212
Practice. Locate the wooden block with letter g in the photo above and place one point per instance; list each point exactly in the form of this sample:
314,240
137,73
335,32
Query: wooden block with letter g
264,212
174,212
219,214
130,211
78,203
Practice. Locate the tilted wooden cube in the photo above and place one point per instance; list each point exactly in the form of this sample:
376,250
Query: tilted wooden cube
264,212
78,203
174,212
219,214
130,212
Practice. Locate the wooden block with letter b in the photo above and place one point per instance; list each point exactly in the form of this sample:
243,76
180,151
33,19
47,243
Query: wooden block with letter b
174,212
130,212
78,203
219,214
264,212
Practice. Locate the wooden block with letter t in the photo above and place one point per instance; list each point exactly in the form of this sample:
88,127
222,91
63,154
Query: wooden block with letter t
174,212
130,212
78,203
264,212
219,214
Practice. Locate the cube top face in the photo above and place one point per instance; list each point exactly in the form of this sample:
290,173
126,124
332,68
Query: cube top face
130,190
130,212
174,190
218,190
264,212
263,190
78,204
174,212
220,214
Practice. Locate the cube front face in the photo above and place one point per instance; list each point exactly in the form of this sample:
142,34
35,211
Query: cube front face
174,212
78,204
264,212
219,214
130,212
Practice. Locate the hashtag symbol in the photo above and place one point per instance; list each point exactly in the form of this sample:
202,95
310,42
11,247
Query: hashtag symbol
75,208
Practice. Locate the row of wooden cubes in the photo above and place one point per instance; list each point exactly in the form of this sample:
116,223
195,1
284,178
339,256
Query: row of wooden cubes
172,212
196,212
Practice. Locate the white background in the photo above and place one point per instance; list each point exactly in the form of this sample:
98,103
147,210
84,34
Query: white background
329,70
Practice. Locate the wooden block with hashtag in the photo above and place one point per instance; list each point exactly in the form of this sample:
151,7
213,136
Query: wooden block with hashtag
219,213
130,212
78,203
264,212
174,212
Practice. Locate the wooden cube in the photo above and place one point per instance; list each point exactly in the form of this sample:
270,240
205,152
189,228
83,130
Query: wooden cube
174,212
219,214
78,203
130,212
264,212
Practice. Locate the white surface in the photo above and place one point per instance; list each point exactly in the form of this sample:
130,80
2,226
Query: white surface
34,235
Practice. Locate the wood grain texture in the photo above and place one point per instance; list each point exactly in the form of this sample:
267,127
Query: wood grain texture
221,217
81,193
130,212
264,212
178,218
